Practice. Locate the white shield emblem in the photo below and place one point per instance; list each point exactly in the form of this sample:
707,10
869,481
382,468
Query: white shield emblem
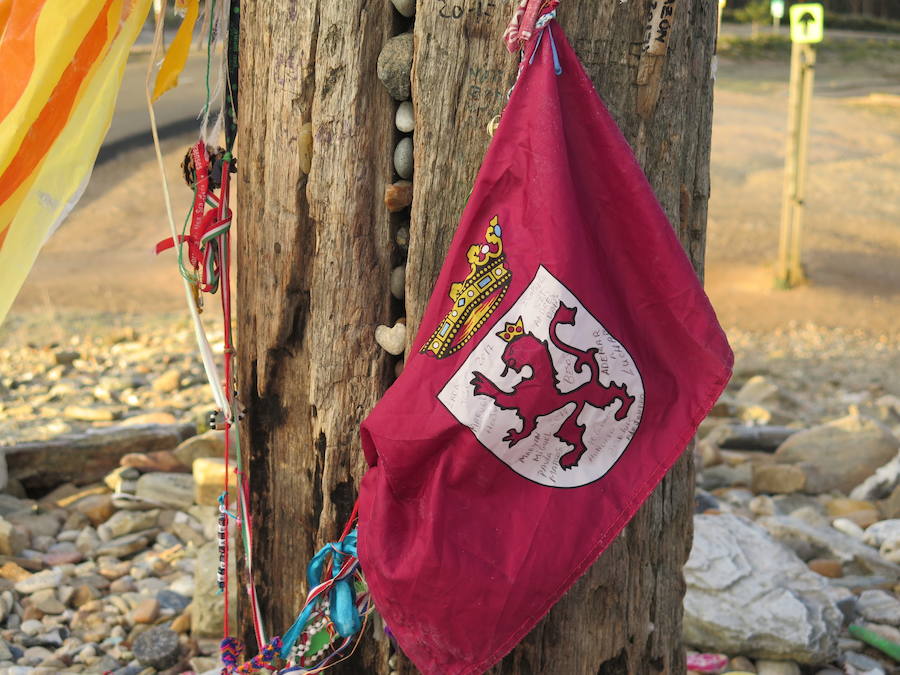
549,390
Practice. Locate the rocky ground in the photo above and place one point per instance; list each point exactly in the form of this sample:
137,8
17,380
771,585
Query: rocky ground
119,574
797,532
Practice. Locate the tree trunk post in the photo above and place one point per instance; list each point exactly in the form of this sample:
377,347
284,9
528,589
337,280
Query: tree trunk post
315,254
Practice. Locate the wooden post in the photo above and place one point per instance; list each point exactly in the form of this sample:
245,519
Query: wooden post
789,272
313,259
315,255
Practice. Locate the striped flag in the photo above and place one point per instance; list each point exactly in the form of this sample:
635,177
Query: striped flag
63,62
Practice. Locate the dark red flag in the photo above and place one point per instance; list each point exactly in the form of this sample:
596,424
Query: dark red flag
566,357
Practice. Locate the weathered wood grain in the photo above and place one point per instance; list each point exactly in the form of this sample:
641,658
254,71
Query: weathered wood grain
313,268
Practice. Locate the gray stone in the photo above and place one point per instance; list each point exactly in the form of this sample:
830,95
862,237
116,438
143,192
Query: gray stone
748,594
882,531
406,7
171,489
157,648
845,451
395,65
127,522
724,475
403,158
122,547
37,524
863,663
398,282
405,118
37,582
880,607
758,390
175,601
826,542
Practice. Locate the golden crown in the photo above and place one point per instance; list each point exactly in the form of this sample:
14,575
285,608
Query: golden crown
511,331
474,298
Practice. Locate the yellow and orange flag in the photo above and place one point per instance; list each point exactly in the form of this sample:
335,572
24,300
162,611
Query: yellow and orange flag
62,66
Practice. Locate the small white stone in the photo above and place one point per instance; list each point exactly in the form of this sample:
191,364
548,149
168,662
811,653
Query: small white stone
392,340
406,7
848,527
403,158
398,282
405,119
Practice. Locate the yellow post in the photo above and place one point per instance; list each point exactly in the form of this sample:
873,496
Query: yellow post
808,62
806,29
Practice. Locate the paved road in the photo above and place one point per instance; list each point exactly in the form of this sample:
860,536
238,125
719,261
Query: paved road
176,111
743,30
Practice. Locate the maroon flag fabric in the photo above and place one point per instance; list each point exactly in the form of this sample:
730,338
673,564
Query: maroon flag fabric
565,359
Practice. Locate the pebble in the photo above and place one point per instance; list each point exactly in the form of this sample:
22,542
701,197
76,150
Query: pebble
305,147
406,7
157,648
398,196
395,64
176,602
392,339
172,489
880,607
827,567
765,667
403,158
398,282
85,414
405,118
146,611
168,382
47,579
401,237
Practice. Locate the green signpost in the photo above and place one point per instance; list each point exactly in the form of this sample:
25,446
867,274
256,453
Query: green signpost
807,29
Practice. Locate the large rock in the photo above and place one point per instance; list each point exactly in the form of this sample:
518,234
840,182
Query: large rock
821,541
845,451
395,65
748,594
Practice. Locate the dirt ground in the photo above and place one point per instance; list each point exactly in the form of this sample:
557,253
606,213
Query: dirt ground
102,262
851,245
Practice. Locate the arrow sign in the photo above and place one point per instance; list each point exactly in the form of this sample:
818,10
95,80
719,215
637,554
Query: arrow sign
806,19
807,22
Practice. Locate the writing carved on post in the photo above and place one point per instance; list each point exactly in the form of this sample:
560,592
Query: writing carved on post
457,10
656,32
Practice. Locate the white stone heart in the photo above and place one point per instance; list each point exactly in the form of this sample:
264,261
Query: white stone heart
392,340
